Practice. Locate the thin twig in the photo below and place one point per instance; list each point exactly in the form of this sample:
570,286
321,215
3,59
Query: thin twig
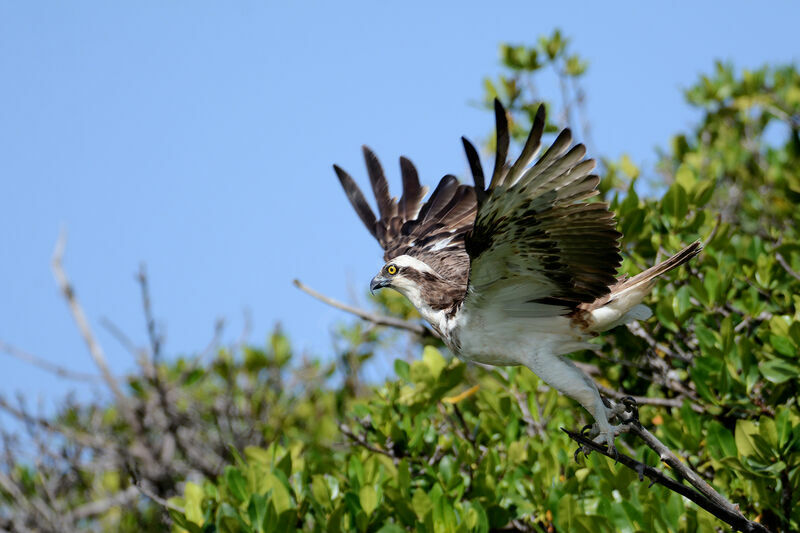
532,426
47,365
152,333
646,400
714,231
86,331
361,441
786,266
84,439
97,507
380,320
155,497
638,330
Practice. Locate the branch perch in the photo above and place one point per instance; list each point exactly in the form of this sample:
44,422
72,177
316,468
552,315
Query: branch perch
700,493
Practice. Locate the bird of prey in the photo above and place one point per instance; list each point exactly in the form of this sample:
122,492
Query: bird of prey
520,272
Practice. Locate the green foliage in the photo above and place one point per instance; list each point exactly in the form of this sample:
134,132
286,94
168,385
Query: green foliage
443,447
518,86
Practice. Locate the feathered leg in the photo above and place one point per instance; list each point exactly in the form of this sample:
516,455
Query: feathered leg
561,373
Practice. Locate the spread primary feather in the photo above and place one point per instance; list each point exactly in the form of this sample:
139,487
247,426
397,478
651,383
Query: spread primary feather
520,273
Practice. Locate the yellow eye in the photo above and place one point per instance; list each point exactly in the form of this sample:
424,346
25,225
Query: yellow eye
391,269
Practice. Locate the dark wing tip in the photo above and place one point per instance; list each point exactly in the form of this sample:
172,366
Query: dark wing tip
380,187
357,199
341,174
502,141
476,168
541,113
413,192
369,154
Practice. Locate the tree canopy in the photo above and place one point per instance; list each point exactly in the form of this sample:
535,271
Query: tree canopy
260,439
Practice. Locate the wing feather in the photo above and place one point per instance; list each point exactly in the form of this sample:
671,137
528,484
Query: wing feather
380,187
413,193
433,231
529,245
357,200
501,142
536,245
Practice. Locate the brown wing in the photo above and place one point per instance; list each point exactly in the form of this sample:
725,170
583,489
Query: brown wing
433,231
537,247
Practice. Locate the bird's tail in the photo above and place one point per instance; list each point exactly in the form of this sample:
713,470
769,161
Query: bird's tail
624,303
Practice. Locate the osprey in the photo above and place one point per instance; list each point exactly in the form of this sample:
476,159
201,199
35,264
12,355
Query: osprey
521,272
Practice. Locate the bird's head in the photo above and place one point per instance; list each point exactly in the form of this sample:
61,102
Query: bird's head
392,275
404,274
425,288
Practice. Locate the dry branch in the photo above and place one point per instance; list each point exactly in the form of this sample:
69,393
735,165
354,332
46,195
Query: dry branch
46,365
86,331
379,320
700,493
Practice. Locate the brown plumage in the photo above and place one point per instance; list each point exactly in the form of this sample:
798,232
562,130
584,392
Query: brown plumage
432,232
520,272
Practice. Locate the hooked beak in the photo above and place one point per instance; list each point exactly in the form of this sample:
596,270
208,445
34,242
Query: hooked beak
378,282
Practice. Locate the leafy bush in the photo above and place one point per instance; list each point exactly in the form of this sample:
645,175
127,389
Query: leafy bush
443,447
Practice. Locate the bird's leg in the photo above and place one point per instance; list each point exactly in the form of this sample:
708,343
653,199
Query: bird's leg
561,373
625,406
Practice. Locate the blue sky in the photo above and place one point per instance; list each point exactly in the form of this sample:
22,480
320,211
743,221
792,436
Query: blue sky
198,137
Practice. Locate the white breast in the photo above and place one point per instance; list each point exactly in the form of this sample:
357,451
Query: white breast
502,341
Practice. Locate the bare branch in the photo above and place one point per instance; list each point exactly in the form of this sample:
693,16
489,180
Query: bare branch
716,504
666,455
98,507
47,365
85,439
637,329
156,498
86,332
361,441
785,264
379,320
153,335
646,400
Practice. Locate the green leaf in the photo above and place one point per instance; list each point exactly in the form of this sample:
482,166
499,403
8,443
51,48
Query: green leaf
434,361
368,497
391,528
778,371
402,369
237,485
421,504
783,345
745,443
194,495
257,512
320,491
675,203
181,521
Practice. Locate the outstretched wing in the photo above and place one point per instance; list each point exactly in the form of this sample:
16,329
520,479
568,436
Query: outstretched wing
537,247
433,231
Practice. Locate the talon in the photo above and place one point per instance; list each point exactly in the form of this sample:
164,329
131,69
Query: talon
586,430
578,452
629,401
612,450
581,449
631,407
